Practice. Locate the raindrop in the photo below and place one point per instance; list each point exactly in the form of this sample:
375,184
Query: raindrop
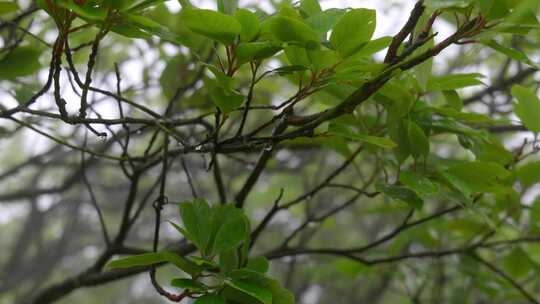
198,148
268,148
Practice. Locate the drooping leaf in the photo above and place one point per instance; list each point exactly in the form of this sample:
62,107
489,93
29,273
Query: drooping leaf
188,284
259,264
196,218
418,183
418,141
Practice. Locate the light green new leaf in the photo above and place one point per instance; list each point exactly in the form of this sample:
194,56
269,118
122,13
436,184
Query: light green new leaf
527,107
153,258
196,219
353,31
246,52
310,7
250,24
7,7
232,231
289,29
453,82
212,24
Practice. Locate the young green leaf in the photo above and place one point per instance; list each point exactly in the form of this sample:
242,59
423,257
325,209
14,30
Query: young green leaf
401,194
246,52
153,258
7,7
196,219
418,141
259,264
188,284
418,183
212,24
310,7
246,292
250,24
527,107
288,29
353,31
231,232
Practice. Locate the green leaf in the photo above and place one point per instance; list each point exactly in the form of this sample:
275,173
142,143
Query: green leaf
401,194
353,31
246,52
212,24
246,292
228,261
310,7
288,29
510,52
137,261
259,264
324,21
196,219
210,299
453,82
418,141
250,25
7,7
418,183
477,177
188,284
527,107
153,258
86,11
226,100
233,230
529,174
453,100
21,61
344,131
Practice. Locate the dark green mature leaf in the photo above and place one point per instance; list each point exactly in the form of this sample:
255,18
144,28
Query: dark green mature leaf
188,284
288,29
259,264
250,24
212,24
527,107
210,299
529,173
228,261
86,11
477,176
246,292
7,7
353,31
21,61
401,194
